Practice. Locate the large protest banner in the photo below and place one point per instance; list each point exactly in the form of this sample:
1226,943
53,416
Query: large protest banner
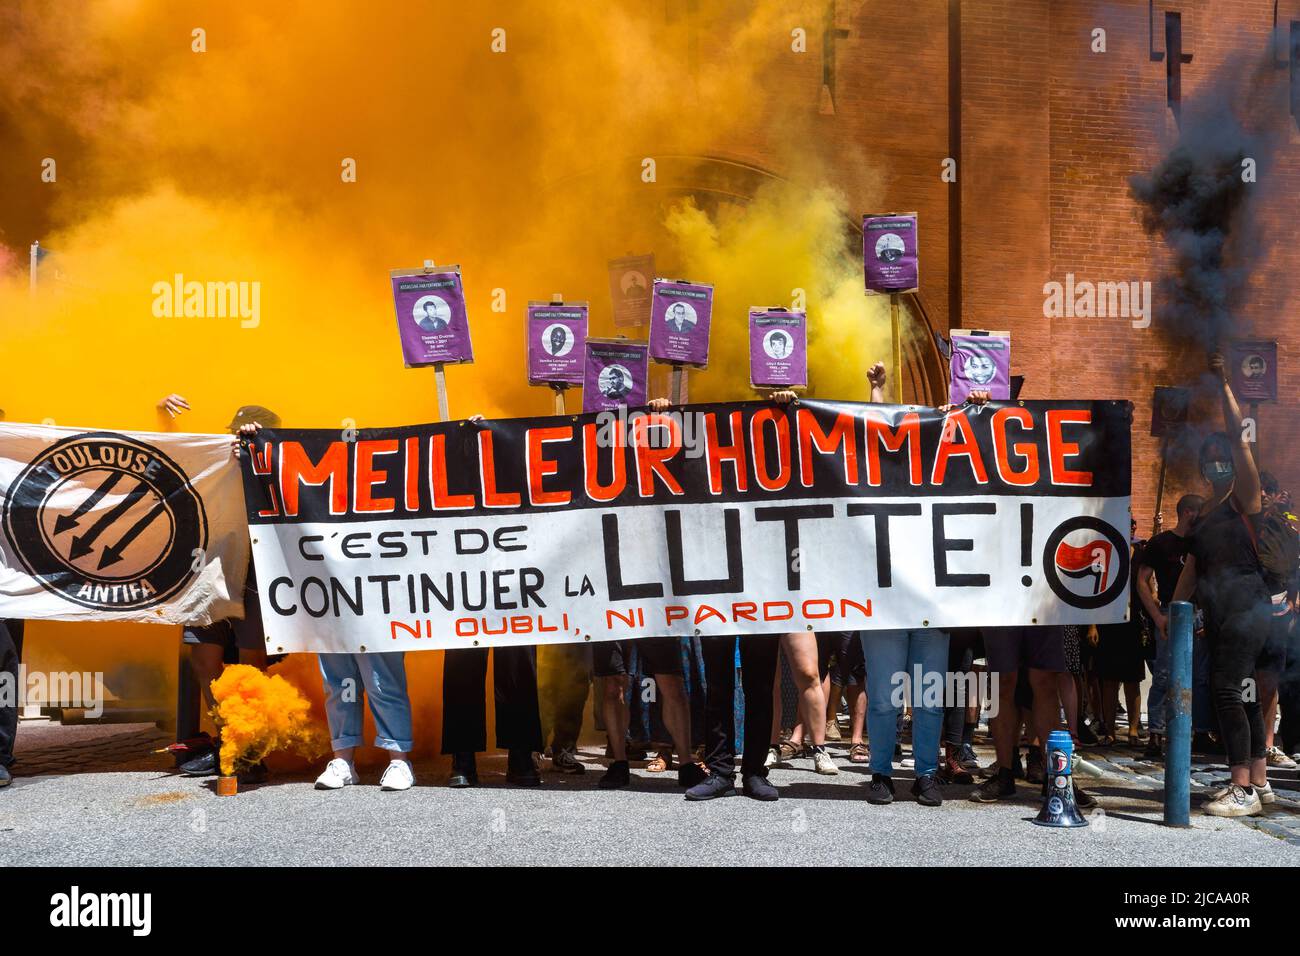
121,526
730,518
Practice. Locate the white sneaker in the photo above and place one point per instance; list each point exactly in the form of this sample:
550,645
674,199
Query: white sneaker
823,763
338,774
1276,758
773,758
1266,794
398,776
1235,802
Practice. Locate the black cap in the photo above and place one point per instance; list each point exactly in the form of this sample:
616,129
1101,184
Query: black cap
254,414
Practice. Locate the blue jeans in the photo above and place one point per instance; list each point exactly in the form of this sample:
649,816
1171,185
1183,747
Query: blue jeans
890,654
383,677
1159,690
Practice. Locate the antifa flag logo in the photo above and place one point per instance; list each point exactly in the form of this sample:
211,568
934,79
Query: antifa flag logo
1090,562
1086,562
107,522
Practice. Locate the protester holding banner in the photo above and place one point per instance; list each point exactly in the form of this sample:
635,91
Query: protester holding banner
1158,571
661,658
232,640
1223,570
1279,553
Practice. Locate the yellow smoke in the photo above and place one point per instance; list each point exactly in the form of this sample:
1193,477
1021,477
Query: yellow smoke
525,165
258,714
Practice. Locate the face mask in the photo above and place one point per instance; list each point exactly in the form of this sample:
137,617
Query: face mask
1216,471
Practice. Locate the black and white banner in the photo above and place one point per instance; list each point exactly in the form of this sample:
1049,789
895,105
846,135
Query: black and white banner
730,518
122,526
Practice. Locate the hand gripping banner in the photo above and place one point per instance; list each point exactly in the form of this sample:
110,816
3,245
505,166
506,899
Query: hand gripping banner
740,518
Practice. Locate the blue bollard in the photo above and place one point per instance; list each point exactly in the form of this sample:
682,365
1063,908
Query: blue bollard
1178,724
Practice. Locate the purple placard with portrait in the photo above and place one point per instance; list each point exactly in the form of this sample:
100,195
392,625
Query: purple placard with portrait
778,348
431,316
630,280
889,252
680,313
980,361
557,339
1252,369
616,373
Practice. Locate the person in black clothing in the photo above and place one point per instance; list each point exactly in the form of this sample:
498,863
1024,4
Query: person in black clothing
1223,569
1157,576
1279,552
11,654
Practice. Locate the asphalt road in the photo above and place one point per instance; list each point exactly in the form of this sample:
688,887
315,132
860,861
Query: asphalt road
150,816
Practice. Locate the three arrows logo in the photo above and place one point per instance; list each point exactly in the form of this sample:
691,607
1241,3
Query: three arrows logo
128,540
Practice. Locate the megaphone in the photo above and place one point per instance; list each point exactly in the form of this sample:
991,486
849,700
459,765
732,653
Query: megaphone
1059,808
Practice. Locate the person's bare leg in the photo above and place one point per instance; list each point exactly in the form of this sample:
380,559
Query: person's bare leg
1047,703
207,661
1066,690
253,657
1267,682
857,699
796,734
1110,707
801,650
613,706
1133,704
1005,724
677,715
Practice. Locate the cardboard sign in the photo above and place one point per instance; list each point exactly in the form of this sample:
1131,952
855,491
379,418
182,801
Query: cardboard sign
1252,369
980,361
630,281
778,348
557,342
889,253
680,315
1169,407
615,374
431,316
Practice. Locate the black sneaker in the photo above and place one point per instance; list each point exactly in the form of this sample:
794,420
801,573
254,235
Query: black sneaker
1035,766
881,789
1001,786
689,774
969,759
1083,799
520,769
6,777
616,777
1155,750
1087,736
563,760
926,791
204,765
712,786
464,771
757,787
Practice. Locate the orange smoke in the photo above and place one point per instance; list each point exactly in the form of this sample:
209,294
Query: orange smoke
258,714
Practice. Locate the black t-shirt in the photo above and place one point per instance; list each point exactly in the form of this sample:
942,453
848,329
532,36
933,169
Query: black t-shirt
1229,576
1164,555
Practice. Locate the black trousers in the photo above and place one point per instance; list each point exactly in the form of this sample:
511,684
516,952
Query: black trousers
1288,695
758,657
1237,641
11,653
564,678
464,700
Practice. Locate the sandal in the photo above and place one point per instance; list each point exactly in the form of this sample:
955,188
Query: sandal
1105,740
859,753
659,763
787,751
